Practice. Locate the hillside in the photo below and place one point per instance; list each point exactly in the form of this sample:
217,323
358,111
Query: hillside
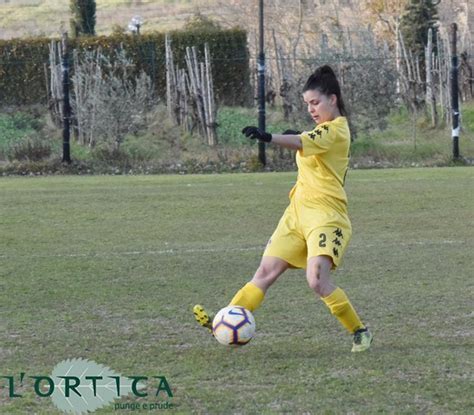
21,18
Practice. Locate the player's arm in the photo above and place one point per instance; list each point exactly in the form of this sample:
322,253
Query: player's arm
289,139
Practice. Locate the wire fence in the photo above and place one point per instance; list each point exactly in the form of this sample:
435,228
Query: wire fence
390,124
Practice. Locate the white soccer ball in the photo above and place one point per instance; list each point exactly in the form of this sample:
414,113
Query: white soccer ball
233,326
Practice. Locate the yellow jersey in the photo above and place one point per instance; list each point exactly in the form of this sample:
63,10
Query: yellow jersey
323,162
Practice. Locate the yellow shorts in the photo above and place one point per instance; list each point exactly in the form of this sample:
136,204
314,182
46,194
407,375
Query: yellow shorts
310,229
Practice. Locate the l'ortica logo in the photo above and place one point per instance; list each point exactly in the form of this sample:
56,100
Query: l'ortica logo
79,385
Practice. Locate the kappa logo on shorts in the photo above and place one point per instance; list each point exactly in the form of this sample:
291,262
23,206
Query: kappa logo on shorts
337,242
338,233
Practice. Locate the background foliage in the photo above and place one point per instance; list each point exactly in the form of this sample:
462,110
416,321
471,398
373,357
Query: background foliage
83,17
23,62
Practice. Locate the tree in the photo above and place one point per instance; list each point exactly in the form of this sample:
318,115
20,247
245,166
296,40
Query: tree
385,15
199,21
301,35
83,17
419,16
109,102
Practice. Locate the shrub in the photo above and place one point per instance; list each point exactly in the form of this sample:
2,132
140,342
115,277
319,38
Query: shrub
109,103
16,127
22,78
32,148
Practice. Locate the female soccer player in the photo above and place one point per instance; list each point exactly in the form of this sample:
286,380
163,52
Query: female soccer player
315,228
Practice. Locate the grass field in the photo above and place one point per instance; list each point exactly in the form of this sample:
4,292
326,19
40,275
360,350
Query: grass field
108,269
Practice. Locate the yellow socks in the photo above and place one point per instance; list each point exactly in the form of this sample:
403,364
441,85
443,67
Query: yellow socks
341,307
249,296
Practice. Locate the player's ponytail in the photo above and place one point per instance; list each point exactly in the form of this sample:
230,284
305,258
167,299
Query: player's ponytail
325,81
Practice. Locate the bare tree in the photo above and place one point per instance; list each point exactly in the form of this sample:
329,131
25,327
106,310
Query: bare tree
290,26
109,102
54,83
430,95
303,34
190,93
385,16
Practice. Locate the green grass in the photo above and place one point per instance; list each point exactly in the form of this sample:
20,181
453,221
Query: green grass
15,127
467,117
108,269
161,144
401,143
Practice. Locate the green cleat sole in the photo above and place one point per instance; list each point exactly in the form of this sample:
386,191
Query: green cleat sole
362,341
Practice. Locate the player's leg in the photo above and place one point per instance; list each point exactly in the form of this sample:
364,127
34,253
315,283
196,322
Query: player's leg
285,248
319,280
327,244
251,295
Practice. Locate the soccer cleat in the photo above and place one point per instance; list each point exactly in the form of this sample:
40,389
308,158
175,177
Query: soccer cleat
202,317
362,340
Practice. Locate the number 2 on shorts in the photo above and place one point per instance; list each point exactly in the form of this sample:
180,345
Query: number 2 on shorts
322,240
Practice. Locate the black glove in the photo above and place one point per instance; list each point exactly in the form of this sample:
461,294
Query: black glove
257,134
291,132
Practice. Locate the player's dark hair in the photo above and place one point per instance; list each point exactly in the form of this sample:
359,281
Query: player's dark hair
325,81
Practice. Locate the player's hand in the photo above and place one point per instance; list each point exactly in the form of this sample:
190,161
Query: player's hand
255,133
291,132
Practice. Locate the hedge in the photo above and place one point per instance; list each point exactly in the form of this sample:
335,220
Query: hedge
23,62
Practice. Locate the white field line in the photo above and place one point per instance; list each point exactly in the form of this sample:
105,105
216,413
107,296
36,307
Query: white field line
178,251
